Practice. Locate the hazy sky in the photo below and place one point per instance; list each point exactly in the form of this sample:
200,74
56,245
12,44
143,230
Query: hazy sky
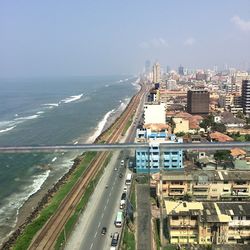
88,37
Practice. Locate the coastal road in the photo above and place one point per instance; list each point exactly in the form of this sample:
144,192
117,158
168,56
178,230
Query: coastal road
100,211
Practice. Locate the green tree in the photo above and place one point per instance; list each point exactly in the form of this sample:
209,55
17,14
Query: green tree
247,137
222,155
219,127
240,115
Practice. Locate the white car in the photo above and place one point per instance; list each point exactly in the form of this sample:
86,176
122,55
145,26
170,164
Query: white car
122,162
116,168
125,189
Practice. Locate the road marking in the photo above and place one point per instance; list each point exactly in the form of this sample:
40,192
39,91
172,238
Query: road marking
91,246
99,225
95,234
102,215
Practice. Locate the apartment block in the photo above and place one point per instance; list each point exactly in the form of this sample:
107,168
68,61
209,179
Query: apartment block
206,185
208,222
152,159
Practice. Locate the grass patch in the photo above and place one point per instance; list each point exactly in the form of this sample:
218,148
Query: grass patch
28,234
128,240
133,196
157,233
128,124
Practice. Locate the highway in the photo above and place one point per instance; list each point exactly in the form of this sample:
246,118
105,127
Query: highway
100,212
122,146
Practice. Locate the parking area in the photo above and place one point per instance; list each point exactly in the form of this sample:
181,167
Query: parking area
143,217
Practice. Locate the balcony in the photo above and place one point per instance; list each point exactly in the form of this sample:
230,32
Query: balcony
176,192
203,186
179,186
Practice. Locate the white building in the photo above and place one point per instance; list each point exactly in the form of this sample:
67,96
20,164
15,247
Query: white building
154,113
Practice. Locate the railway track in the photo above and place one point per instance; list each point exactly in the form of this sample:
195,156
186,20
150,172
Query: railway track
47,236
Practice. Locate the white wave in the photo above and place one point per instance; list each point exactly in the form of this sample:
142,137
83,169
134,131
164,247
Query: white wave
107,85
30,117
7,129
16,115
39,112
123,105
51,104
76,142
72,98
54,159
12,204
100,127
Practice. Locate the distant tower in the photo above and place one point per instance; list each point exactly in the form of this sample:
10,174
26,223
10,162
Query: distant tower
246,97
181,70
156,73
147,66
168,68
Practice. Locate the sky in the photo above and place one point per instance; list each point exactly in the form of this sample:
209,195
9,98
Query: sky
104,37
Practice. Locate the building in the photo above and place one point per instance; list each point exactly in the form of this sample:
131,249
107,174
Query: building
152,159
154,112
180,125
181,70
214,185
246,97
156,73
208,222
198,102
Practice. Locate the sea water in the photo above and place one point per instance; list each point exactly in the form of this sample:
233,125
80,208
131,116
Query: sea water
48,111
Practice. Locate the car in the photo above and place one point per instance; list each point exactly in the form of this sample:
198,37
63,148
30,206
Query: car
116,168
125,189
104,231
122,162
115,238
120,175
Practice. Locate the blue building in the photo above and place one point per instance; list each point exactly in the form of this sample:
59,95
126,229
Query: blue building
152,159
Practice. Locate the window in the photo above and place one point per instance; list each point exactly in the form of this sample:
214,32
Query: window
193,217
175,217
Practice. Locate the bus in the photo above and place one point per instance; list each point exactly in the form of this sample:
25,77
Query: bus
128,179
118,221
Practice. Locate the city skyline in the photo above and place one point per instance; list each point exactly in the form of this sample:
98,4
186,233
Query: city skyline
90,38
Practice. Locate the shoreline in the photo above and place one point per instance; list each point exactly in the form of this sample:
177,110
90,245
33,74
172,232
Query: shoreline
33,205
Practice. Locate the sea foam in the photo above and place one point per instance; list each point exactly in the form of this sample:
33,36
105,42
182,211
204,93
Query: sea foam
7,129
100,127
72,98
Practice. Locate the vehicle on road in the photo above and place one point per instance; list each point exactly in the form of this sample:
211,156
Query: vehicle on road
128,179
104,231
125,189
120,175
116,169
122,162
115,239
124,195
118,220
122,204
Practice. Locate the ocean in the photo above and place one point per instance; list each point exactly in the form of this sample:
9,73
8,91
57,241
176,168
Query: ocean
39,111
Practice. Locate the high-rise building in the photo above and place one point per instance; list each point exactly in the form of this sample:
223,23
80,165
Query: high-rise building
198,102
147,66
246,97
156,73
181,70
